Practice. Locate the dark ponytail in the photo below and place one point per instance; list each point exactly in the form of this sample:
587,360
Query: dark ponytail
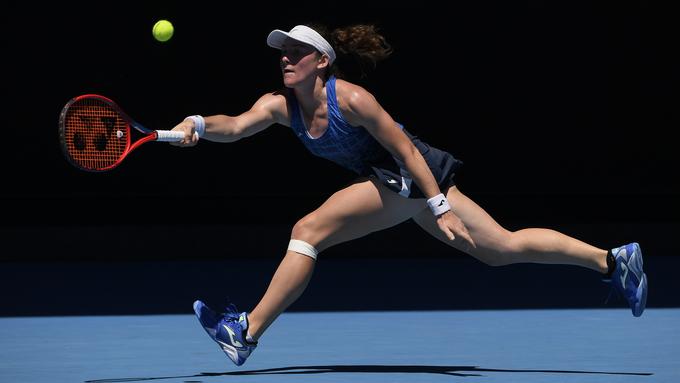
358,48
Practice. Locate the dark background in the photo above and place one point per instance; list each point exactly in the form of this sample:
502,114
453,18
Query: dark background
564,114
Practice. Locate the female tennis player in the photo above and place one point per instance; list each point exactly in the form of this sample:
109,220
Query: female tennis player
400,177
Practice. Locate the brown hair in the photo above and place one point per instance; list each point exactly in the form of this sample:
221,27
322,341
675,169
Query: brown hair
359,44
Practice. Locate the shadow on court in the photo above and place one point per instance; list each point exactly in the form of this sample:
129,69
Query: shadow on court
385,369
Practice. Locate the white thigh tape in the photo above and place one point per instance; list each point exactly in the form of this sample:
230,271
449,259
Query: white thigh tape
303,248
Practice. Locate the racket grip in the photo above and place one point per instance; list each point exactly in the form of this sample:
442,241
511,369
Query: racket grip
169,136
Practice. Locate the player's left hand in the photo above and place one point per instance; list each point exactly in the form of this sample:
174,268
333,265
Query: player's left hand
453,227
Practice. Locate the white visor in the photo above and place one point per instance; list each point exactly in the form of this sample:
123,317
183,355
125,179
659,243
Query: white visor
304,34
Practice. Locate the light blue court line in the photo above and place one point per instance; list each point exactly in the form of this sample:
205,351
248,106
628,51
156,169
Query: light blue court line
607,345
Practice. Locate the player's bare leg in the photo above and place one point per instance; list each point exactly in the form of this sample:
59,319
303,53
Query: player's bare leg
360,209
497,246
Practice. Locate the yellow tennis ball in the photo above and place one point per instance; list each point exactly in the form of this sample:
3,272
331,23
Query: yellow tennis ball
163,30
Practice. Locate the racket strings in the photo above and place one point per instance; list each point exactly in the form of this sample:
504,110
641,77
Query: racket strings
95,135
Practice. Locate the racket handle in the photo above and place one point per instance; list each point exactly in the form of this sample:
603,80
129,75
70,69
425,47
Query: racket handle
169,136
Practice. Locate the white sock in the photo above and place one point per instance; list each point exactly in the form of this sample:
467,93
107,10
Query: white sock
249,338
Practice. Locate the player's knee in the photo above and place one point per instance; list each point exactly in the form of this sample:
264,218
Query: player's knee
305,228
502,253
490,257
304,236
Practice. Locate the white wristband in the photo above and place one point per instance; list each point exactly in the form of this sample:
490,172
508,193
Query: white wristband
199,124
438,204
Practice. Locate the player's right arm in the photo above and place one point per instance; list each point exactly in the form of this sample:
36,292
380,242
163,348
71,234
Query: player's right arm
268,110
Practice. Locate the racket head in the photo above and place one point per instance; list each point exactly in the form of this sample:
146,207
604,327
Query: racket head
94,133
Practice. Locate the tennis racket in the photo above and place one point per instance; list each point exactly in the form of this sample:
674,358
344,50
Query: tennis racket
95,133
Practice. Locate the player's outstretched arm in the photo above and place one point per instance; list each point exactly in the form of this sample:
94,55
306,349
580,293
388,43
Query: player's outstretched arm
269,109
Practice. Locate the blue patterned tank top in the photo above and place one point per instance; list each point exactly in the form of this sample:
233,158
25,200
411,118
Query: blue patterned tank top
354,148
351,147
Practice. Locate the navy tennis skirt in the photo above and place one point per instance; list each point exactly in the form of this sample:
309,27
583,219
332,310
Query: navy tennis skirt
393,174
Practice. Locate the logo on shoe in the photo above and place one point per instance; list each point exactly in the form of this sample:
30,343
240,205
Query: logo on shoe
231,336
229,350
624,274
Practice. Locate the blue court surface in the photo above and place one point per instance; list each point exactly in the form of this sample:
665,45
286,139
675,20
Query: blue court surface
575,345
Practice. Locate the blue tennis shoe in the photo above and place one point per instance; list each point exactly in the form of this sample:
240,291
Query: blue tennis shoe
228,330
628,278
